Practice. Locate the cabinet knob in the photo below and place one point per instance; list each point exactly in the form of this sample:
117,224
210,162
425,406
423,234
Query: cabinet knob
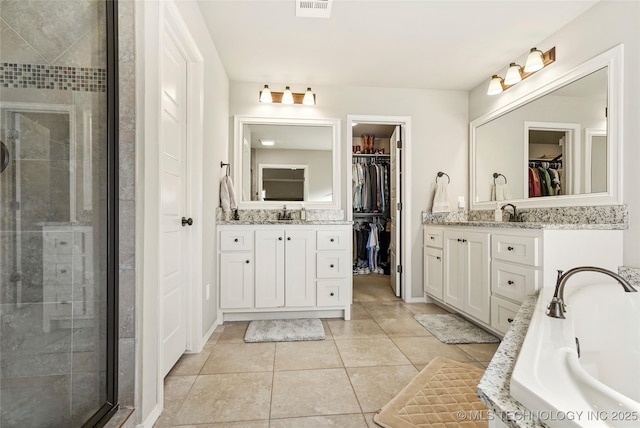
63,271
464,240
510,282
288,238
279,238
235,240
186,221
331,240
509,320
247,261
510,248
332,294
63,242
331,266
459,240
437,258
432,238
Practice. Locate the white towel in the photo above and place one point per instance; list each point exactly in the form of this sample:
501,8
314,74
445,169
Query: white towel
227,195
441,198
500,192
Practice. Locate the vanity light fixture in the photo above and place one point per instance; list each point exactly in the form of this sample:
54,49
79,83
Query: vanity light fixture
536,60
307,98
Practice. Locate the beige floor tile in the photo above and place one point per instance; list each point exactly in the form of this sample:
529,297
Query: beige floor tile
169,411
480,351
312,393
307,355
327,330
481,364
243,424
370,422
233,332
333,421
370,352
227,398
376,386
189,364
368,288
425,308
421,350
240,358
358,312
177,387
215,335
387,310
355,329
404,327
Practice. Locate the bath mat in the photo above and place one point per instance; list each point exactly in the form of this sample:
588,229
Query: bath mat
285,330
442,394
454,329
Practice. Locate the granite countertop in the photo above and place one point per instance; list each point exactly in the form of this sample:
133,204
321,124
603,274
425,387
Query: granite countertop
494,388
285,222
532,225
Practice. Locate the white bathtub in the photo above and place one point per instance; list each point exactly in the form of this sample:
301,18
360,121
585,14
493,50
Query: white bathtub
602,387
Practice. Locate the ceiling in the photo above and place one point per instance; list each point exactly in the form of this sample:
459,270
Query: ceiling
300,137
421,44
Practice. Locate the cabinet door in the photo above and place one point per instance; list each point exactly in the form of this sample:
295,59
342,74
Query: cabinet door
454,268
300,272
269,251
236,280
477,299
433,272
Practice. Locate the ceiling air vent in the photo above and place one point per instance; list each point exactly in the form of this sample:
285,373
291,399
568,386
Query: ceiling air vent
313,8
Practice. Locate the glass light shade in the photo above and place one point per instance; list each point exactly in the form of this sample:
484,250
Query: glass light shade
308,99
495,86
265,95
534,61
513,74
287,96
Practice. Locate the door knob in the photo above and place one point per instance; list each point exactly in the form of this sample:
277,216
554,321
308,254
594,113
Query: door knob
187,221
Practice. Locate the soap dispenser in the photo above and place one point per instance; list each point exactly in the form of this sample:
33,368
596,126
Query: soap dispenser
498,213
303,214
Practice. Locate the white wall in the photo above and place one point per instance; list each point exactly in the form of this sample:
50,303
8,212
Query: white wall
439,137
600,28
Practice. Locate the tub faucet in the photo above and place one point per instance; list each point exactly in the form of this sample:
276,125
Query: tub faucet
516,216
557,308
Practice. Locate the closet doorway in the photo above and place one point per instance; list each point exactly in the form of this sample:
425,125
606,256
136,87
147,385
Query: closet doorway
375,203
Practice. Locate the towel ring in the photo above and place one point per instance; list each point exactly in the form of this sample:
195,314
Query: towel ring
496,175
440,174
228,165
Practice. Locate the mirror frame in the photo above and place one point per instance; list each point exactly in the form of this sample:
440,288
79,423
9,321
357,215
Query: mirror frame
240,121
613,60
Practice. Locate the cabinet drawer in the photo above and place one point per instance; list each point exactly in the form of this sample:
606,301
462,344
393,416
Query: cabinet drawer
58,242
333,239
518,249
236,240
512,281
433,237
333,265
332,292
502,314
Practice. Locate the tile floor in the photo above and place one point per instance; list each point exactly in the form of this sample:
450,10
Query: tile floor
339,382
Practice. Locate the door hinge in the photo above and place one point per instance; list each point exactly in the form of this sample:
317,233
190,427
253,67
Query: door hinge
15,205
399,268
399,144
15,277
399,206
13,134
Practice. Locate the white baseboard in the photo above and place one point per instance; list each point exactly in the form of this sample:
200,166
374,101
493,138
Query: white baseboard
152,418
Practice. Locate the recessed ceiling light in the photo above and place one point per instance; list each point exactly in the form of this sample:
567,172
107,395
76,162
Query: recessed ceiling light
267,142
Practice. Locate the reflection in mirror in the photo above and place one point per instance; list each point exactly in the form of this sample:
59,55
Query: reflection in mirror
287,160
558,145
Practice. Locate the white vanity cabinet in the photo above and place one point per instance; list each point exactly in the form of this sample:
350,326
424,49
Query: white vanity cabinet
488,272
282,271
466,272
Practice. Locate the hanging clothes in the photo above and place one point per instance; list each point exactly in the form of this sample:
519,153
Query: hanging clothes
545,179
370,186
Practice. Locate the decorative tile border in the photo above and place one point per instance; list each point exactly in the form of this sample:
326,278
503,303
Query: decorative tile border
59,77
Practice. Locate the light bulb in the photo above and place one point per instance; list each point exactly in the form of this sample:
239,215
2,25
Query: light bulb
308,99
495,86
534,61
287,96
265,95
513,74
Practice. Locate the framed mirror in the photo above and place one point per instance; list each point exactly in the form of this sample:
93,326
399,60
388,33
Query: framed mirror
286,161
560,145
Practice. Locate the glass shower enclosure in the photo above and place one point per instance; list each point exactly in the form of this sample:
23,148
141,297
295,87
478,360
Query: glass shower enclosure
58,210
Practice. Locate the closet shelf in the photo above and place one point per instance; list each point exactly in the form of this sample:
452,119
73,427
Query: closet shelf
386,155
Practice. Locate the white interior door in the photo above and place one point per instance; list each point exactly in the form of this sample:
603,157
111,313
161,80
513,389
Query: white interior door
396,196
173,247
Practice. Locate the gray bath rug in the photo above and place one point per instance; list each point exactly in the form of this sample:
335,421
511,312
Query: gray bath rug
454,329
284,330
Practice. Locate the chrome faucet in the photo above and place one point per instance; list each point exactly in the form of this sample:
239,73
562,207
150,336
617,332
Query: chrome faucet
516,216
284,215
557,307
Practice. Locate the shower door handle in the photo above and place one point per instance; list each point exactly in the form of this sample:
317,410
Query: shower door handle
4,158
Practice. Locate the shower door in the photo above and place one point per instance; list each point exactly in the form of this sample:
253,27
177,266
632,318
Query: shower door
57,213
